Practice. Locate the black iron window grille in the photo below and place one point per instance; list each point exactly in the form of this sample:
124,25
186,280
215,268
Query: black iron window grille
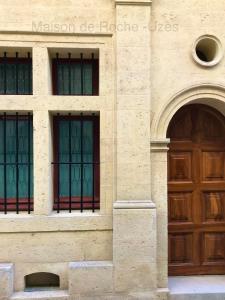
76,163
75,76
16,75
16,163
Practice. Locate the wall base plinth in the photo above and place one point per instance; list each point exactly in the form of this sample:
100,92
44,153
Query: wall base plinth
6,281
134,247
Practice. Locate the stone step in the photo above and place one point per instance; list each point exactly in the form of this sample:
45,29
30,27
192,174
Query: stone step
42,295
212,296
197,288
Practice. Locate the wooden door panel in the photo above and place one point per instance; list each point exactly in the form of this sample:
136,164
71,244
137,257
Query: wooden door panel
180,248
213,246
180,169
196,192
180,207
213,206
213,166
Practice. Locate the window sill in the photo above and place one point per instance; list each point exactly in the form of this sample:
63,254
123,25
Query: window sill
75,221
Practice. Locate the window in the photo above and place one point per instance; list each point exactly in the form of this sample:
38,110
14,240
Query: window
16,163
76,163
75,76
15,75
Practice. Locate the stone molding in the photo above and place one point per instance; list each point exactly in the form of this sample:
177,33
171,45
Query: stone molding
193,94
135,204
54,223
90,264
134,2
160,145
54,33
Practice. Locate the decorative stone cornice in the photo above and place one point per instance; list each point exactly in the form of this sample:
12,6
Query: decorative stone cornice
159,145
134,204
134,2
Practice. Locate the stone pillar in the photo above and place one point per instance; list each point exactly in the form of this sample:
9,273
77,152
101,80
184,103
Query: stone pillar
42,163
134,221
133,99
6,281
42,134
159,196
41,71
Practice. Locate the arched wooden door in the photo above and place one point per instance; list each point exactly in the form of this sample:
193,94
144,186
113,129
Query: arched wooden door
196,191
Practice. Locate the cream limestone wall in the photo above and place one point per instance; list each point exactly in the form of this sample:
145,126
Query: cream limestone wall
46,241
146,73
176,25
67,16
177,80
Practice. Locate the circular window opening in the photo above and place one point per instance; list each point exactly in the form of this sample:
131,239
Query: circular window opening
208,51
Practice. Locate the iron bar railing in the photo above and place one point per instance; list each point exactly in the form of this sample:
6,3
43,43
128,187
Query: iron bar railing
29,161
5,166
12,158
82,73
69,201
75,76
16,75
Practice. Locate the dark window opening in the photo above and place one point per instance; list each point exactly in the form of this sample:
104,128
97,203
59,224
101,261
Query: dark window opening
72,76
16,75
41,281
76,163
16,163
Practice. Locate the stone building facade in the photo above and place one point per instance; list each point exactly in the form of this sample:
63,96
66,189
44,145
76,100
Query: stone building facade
154,57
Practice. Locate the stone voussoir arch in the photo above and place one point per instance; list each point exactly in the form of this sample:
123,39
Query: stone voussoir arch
205,93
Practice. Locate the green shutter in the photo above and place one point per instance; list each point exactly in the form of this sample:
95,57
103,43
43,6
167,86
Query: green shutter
24,77
11,158
76,157
69,79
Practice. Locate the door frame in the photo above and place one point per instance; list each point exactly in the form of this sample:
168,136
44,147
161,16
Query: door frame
208,94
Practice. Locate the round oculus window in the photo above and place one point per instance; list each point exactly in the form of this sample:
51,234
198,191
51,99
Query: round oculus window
207,51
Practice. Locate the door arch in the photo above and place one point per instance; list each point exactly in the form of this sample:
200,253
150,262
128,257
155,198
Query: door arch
196,191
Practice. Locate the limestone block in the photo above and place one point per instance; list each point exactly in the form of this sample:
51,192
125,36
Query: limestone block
6,280
129,128
134,277
133,83
42,295
90,277
127,56
162,293
135,20
54,247
134,246
129,191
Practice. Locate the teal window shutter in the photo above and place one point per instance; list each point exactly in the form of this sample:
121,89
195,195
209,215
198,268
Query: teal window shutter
16,76
76,180
76,165
75,76
25,170
69,80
